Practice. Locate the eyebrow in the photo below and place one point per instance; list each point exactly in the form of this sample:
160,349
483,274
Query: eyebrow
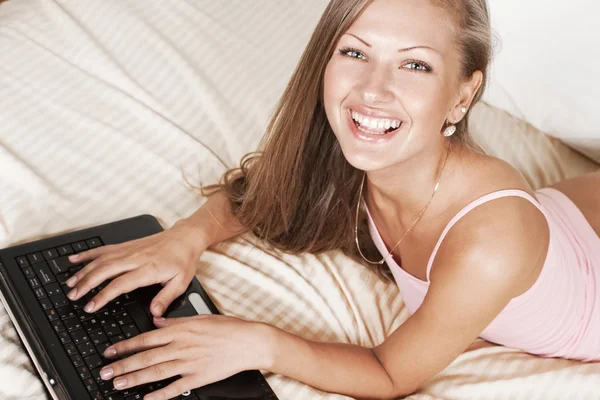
399,50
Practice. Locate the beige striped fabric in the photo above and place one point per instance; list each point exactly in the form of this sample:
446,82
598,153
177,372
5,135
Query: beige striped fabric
105,106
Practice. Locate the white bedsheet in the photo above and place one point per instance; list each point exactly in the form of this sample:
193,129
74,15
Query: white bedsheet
103,105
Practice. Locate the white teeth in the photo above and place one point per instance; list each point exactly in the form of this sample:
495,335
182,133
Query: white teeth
381,124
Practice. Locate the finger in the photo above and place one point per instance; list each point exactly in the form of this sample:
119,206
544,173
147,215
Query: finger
143,342
173,289
125,283
155,373
137,362
90,254
101,272
89,268
165,322
173,390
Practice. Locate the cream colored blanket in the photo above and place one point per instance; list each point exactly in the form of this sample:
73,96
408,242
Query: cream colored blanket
105,103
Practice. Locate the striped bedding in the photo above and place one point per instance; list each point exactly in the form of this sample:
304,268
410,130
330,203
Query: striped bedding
108,106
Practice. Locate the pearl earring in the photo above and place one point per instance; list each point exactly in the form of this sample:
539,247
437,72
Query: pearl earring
450,131
463,109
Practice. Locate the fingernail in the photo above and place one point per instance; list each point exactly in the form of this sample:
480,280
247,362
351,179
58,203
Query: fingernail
71,281
158,308
74,257
120,383
72,294
110,352
150,398
159,319
89,307
106,373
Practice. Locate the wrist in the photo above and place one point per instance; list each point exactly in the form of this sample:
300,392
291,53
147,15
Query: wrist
195,236
267,339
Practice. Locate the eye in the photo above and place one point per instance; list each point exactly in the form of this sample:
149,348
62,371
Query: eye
417,66
352,53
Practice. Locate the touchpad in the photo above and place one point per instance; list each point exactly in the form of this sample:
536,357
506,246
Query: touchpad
199,304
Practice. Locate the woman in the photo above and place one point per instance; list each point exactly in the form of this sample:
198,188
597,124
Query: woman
368,152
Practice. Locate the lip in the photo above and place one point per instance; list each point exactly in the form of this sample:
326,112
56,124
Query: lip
372,113
367,137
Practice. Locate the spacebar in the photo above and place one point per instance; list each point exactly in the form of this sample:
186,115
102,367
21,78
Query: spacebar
140,317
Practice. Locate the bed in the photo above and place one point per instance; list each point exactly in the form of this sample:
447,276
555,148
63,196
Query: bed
108,107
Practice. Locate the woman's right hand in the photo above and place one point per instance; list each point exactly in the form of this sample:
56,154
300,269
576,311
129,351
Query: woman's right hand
168,257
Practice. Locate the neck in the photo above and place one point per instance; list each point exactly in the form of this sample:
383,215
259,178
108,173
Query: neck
402,191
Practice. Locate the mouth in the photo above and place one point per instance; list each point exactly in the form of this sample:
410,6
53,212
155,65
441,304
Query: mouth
374,126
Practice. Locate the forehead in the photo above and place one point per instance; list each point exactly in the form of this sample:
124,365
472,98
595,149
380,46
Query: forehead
406,23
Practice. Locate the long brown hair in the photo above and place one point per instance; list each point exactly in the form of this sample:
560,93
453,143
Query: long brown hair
298,193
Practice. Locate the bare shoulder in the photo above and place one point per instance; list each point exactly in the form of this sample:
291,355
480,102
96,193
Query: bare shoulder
505,236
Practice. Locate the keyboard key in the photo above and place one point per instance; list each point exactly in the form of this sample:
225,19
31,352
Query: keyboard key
106,387
98,337
86,349
96,375
94,242
96,395
35,258
105,317
80,246
112,329
64,337
130,331
90,384
115,396
65,250
123,319
102,347
134,396
52,315
59,300
58,325
82,315
43,273
46,303
140,318
83,371
50,254
77,360
66,312
92,325
22,261
117,338
94,361
28,272
79,336
71,349
60,265
72,324
53,289
40,293
34,282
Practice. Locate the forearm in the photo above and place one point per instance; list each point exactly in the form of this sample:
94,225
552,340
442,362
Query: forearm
332,367
210,229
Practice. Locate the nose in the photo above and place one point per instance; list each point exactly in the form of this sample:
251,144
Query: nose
375,87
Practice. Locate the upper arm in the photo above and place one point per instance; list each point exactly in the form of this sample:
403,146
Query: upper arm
478,269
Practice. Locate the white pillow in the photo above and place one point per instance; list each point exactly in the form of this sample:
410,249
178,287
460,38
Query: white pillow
546,70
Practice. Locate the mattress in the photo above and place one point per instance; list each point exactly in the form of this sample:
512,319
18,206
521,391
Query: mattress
107,107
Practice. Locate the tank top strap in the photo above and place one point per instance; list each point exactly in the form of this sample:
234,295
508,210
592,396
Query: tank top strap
477,202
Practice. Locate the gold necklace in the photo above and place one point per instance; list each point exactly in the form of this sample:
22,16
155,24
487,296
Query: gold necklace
409,229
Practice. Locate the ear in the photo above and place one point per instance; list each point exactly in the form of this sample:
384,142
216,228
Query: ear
467,91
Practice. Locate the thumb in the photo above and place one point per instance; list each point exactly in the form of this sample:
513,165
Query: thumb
165,297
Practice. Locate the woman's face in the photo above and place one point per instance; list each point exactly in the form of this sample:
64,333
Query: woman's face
395,67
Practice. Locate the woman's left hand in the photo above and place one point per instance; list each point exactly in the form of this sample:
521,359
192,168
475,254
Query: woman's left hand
202,349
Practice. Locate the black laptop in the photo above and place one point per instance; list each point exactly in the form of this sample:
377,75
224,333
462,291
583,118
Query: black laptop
66,344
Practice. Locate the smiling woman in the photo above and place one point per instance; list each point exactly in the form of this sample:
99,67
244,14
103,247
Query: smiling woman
369,152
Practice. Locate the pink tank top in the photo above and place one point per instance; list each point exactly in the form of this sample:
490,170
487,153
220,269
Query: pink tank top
559,316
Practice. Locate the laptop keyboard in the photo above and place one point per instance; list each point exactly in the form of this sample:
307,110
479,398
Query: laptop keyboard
85,336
